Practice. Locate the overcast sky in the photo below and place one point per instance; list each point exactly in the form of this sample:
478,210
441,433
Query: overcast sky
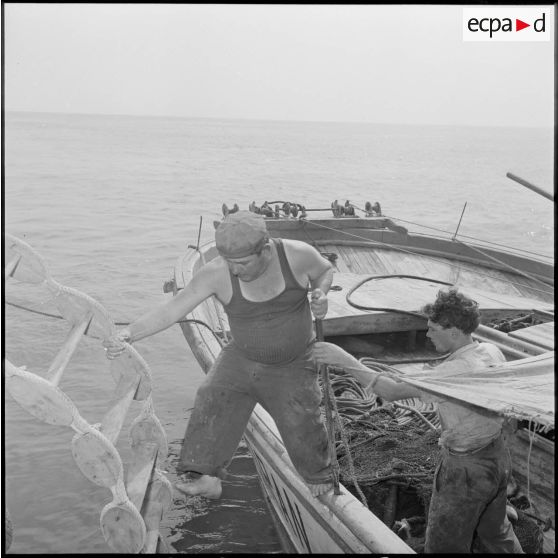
403,64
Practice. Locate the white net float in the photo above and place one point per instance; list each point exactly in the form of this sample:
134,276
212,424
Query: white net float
39,397
97,458
123,527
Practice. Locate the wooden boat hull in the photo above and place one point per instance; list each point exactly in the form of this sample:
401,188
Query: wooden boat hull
341,524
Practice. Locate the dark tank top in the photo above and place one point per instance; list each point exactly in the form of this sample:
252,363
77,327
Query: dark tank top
273,331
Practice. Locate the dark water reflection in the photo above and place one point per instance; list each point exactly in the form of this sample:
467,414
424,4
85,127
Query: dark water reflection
220,526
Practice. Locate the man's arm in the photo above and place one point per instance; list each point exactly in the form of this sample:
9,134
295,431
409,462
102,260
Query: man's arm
310,267
201,286
387,388
320,274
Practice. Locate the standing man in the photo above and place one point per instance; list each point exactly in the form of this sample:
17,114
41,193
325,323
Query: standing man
263,286
469,492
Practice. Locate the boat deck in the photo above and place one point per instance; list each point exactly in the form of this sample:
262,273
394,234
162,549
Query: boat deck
404,294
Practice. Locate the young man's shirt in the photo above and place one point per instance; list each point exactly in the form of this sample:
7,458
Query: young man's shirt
464,429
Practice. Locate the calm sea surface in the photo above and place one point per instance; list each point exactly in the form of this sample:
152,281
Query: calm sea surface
110,202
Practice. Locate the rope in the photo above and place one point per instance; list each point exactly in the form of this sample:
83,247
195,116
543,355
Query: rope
417,412
345,442
404,360
329,402
407,251
531,438
360,283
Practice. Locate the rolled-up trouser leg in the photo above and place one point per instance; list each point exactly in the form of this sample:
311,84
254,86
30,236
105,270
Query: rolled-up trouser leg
222,408
291,395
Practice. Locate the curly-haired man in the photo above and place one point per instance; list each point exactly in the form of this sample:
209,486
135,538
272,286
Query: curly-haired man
469,491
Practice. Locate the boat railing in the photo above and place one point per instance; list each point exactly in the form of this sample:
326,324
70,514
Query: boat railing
130,522
293,210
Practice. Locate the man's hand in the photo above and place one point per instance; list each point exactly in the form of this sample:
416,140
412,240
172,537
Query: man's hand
114,345
328,353
318,304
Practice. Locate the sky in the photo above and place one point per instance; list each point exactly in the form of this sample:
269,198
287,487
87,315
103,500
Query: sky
398,64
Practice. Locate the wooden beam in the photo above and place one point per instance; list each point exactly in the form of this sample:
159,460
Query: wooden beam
162,546
158,498
541,335
544,315
56,369
514,347
140,472
114,418
531,186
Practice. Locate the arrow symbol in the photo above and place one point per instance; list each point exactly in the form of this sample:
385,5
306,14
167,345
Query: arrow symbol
519,25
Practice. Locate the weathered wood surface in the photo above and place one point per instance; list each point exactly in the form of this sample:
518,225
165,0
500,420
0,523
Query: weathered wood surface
140,472
512,347
534,461
541,334
358,232
158,499
114,418
65,353
544,315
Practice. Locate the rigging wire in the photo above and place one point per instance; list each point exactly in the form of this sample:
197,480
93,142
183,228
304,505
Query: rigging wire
472,238
47,314
509,248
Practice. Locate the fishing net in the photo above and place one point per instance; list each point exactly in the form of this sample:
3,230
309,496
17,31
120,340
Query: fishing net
514,322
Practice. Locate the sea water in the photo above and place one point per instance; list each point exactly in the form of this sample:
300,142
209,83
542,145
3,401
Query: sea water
110,202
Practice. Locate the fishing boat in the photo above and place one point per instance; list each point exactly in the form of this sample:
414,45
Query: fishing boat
383,275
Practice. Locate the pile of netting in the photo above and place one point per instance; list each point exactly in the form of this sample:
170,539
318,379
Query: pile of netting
515,322
387,455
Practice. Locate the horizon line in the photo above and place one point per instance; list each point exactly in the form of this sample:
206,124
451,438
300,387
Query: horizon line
292,121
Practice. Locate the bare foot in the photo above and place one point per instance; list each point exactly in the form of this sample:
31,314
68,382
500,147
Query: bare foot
319,489
206,486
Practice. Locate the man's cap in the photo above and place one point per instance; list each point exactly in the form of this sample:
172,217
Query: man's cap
241,234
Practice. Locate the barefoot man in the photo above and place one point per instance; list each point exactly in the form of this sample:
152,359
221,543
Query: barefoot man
262,283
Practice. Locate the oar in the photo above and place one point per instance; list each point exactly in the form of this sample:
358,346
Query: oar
329,418
530,186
